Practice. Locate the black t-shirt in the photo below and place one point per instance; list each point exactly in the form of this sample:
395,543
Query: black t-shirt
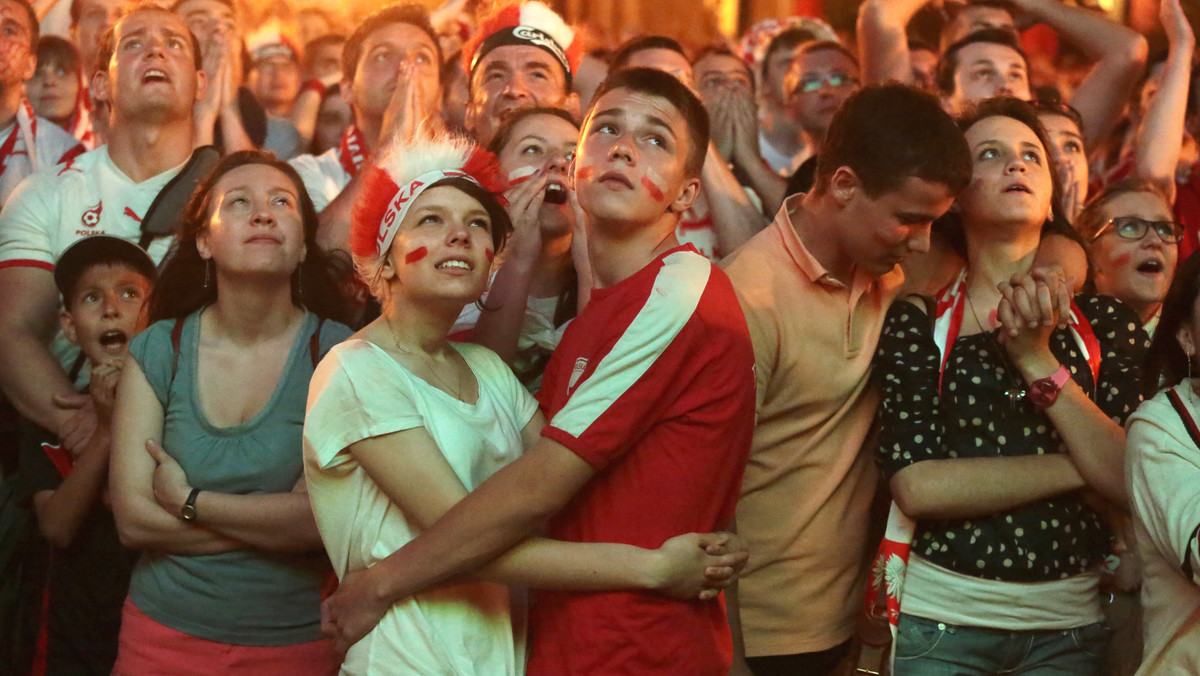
87,582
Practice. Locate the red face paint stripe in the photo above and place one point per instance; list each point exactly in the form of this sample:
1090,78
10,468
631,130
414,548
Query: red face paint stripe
653,189
585,172
490,255
416,254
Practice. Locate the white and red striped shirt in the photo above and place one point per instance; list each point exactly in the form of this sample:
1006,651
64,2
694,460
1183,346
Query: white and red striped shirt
653,386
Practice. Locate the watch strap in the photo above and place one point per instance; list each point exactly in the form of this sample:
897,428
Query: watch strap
188,511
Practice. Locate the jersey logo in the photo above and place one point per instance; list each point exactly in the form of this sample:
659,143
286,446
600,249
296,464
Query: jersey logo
132,214
576,373
91,217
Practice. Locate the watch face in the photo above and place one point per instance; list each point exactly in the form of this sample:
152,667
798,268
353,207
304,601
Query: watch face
1043,393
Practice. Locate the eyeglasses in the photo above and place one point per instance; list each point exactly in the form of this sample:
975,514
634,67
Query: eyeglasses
1132,227
811,83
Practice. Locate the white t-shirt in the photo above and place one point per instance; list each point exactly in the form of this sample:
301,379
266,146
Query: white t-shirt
323,176
58,205
51,141
358,392
1162,470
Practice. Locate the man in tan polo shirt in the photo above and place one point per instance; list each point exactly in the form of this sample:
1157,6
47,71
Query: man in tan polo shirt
815,286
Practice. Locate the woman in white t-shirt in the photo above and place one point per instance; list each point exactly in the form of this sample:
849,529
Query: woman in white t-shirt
1162,469
402,423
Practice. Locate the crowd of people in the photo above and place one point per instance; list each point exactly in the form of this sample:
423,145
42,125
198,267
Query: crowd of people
465,342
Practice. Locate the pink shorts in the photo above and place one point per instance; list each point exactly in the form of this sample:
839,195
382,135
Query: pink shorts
147,647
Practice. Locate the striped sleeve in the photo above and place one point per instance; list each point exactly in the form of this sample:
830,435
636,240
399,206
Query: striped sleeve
658,353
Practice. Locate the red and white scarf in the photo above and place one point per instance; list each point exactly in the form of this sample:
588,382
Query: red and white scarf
26,128
891,560
352,151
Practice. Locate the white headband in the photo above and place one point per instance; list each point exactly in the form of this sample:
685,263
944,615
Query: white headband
400,204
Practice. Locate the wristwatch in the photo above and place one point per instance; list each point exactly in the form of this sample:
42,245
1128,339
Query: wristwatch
188,511
1043,392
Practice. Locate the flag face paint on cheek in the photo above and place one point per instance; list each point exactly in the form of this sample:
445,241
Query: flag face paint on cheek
521,174
489,254
584,173
652,182
416,255
1122,260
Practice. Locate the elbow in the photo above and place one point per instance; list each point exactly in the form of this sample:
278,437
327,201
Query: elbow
57,535
908,496
872,16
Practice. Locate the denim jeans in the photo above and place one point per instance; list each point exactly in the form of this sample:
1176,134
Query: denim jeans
931,648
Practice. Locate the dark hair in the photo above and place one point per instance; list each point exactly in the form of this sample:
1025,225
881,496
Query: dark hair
500,138
314,44
412,14
1166,362
1091,218
1025,113
108,40
915,138
52,49
948,64
786,40
1049,101
665,86
722,50
181,287
620,58
954,11
917,44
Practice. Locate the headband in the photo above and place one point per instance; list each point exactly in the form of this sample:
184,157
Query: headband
523,36
403,200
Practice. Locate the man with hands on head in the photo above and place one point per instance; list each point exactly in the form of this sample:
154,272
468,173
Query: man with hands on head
726,86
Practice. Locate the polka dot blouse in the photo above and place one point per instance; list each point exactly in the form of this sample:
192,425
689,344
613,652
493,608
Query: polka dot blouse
973,417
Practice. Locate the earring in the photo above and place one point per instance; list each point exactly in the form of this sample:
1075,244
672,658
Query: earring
299,281
207,273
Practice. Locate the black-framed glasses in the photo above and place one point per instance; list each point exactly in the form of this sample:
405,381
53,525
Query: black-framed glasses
811,83
1132,227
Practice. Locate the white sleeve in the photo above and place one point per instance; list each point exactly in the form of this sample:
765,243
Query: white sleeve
28,223
321,186
1164,485
351,398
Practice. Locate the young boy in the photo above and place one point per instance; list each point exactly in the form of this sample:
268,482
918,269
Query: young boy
104,282
650,397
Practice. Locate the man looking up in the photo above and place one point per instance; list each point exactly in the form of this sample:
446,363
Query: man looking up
522,56
26,142
649,401
821,77
391,80
815,286
152,81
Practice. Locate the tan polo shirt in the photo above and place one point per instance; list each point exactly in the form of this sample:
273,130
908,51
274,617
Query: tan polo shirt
808,485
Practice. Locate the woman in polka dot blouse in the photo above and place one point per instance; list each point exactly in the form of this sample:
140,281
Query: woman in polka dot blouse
1001,431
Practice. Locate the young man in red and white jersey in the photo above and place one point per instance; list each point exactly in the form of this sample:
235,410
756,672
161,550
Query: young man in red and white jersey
650,399
152,81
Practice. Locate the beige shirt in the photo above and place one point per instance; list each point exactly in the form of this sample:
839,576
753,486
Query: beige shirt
807,487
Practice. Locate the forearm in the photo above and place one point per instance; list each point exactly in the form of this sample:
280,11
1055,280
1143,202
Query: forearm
278,522
204,121
31,377
771,187
500,321
1095,443
233,133
883,39
1160,136
964,488
333,229
540,563
304,114
61,511
734,218
143,524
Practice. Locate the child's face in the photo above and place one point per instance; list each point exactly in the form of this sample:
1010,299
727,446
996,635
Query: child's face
106,308
52,91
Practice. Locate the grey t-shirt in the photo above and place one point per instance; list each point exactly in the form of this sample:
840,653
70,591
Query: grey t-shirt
246,597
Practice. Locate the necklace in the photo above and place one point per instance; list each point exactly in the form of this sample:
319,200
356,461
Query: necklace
1016,390
452,391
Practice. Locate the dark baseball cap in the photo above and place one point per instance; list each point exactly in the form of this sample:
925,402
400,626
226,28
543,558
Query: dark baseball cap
97,249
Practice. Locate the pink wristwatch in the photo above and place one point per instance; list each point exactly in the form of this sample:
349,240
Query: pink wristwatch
1043,392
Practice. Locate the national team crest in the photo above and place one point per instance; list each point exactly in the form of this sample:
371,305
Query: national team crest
91,217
